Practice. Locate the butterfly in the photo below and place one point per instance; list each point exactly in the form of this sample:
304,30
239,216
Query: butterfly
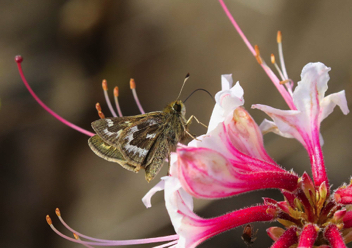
141,141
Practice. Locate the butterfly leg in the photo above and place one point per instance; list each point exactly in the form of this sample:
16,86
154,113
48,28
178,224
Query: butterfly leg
193,117
191,135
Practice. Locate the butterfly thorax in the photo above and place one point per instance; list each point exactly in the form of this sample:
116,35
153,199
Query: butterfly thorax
175,122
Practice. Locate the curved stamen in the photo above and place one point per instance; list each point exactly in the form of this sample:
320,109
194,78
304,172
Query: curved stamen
77,237
170,244
107,99
287,82
281,54
104,242
272,57
288,99
116,95
134,92
19,60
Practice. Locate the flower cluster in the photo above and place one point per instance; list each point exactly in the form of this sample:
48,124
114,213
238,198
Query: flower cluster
230,159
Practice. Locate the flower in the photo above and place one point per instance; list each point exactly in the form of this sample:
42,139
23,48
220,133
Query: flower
191,228
312,108
230,159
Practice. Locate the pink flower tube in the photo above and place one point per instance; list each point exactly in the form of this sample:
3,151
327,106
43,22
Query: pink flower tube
192,229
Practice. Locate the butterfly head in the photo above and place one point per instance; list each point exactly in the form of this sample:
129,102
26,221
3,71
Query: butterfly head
176,107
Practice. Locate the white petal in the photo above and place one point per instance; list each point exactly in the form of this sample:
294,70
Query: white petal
237,92
312,87
269,126
328,104
216,117
226,81
178,202
227,100
148,197
288,122
230,99
312,106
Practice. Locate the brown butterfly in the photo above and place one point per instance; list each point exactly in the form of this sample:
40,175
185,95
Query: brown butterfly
141,141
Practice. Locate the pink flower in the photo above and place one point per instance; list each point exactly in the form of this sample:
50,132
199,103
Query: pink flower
192,229
312,108
230,159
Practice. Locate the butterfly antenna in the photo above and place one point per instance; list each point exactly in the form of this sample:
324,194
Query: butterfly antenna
184,81
198,90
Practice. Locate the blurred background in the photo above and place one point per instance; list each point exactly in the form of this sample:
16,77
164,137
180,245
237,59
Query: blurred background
70,46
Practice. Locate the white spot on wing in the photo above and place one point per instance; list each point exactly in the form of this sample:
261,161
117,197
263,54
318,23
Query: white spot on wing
131,148
118,133
109,122
151,136
107,132
151,122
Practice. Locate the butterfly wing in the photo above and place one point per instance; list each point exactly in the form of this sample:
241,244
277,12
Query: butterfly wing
110,129
172,133
108,152
156,157
136,141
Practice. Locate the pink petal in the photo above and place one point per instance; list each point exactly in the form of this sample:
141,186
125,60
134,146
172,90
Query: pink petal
208,174
239,139
245,135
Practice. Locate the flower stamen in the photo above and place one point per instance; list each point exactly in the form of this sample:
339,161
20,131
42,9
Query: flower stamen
100,113
19,60
286,95
107,99
272,57
103,242
77,238
257,54
281,54
116,95
134,92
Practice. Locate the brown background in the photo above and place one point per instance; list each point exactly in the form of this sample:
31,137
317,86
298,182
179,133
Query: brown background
70,46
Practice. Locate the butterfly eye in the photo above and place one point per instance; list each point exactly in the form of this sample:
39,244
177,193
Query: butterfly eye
177,107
